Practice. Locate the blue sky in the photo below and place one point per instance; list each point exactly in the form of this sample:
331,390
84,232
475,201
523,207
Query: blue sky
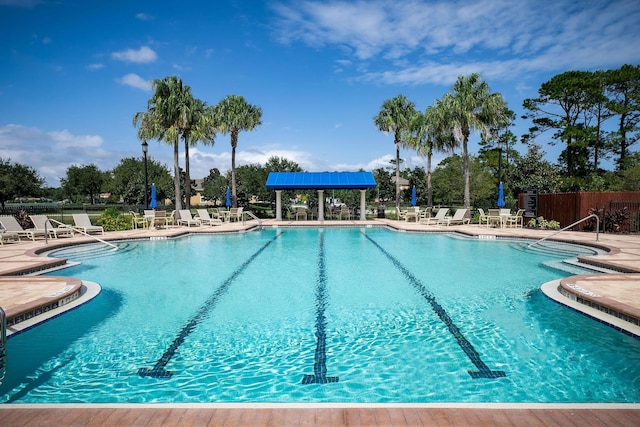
74,71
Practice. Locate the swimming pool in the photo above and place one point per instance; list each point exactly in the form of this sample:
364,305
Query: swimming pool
320,315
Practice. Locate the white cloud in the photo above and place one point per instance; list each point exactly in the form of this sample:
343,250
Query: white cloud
143,55
417,42
135,81
94,67
51,153
144,16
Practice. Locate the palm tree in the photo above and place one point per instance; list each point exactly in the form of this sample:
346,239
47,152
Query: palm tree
196,126
428,133
395,116
232,115
169,115
471,106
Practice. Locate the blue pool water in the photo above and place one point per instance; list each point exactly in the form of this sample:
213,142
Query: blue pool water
320,315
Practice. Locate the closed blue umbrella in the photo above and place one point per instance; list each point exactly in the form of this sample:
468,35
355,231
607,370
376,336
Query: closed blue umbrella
228,201
500,196
153,203
413,196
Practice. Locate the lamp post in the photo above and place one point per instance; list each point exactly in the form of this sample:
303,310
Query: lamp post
145,148
499,160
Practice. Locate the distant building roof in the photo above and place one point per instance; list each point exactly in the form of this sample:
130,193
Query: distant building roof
320,180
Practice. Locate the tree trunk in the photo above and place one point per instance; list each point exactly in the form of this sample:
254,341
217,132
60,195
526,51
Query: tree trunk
429,187
176,176
397,175
465,166
187,176
234,143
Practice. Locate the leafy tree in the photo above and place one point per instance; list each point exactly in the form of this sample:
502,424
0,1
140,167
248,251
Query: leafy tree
251,181
623,91
419,177
127,180
83,181
18,180
395,117
532,172
565,104
631,178
471,106
448,183
232,115
215,186
281,164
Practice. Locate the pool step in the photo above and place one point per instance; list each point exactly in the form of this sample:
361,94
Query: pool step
573,266
87,252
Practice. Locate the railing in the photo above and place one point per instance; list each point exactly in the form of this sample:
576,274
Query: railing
76,230
253,217
569,226
3,344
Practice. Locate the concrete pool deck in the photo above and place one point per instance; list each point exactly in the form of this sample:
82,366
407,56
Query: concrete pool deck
618,290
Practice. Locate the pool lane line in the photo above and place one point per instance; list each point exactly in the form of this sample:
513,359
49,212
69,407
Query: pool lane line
483,370
158,370
320,358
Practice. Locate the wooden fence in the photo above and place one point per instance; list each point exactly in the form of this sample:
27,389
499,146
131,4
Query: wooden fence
567,208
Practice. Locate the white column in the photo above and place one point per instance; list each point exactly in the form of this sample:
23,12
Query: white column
278,205
320,205
363,205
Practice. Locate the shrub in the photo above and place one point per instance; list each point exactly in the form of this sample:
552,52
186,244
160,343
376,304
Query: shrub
617,220
112,220
542,223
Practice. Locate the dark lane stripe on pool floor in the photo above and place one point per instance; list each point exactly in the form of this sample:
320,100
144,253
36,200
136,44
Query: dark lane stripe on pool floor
320,361
483,370
158,370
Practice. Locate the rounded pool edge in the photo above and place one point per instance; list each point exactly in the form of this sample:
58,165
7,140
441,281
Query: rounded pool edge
550,289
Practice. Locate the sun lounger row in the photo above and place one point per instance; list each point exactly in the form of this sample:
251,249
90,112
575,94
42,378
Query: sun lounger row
44,227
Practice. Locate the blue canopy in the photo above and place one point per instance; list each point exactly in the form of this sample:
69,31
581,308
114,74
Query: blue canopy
413,196
228,198
320,180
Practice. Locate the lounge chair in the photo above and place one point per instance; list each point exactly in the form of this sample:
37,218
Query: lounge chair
187,219
10,223
400,214
7,235
41,222
517,219
82,222
205,218
413,214
458,218
442,212
345,212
